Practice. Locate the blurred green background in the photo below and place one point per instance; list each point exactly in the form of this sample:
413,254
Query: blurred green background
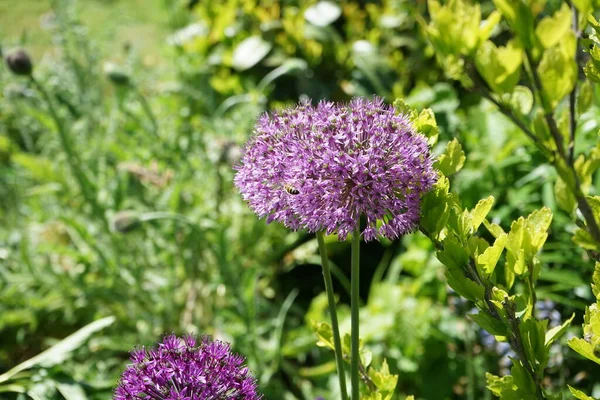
127,208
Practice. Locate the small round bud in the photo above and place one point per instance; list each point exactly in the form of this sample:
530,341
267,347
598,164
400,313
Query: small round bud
19,62
125,221
597,350
116,74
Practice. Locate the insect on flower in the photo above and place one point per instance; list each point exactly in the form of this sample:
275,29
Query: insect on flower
290,189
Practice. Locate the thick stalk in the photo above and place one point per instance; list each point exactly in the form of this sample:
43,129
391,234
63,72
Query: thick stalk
337,343
355,304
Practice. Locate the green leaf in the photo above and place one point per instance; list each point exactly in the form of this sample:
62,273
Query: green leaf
592,72
533,334
557,69
463,285
500,67
537,226
426,124
525,239
586,166
487,26
596,281
494,229
249,53
325,334
436,209
584,348
402,108
515,257
519,17
455,27
481,211
552,29
585,240
60,351
453,255
585,97
487,261
555,333
585,8
489,323
523,381
384,381
502,387
40,168
452,160
323,13
564,197
578,394
521,100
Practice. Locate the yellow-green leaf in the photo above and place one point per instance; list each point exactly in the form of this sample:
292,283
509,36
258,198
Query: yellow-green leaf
500,67
487,261
452,160
555,333
480,211
578,394
584,348
557,69
552,29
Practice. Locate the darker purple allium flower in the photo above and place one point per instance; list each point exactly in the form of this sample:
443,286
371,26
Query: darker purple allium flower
186,369
324,167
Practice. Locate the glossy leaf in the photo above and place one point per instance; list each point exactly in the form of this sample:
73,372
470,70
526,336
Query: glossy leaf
452,160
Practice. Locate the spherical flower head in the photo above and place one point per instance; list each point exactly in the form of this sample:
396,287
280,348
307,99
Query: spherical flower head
186,369
323,168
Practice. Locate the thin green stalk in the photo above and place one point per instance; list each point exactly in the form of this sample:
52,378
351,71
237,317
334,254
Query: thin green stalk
355,304
86,186
148,110
337,343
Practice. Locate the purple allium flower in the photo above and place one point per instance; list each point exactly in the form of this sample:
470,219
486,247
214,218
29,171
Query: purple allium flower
185,369
324,167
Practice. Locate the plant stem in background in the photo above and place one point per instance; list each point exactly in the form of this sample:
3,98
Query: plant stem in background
148,110
86,186
573,94
355,304
339,357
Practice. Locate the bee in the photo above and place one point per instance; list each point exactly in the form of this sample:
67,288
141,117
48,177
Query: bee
290,189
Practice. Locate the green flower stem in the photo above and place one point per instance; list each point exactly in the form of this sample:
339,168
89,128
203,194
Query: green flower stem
339,356
354,304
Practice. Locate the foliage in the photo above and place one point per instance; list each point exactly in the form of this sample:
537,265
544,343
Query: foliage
119,220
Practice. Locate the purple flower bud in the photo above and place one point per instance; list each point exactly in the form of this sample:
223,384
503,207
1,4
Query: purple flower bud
322,168
19,62
186,369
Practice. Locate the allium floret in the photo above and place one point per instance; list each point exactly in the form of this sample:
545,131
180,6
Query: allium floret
186,369
323,168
